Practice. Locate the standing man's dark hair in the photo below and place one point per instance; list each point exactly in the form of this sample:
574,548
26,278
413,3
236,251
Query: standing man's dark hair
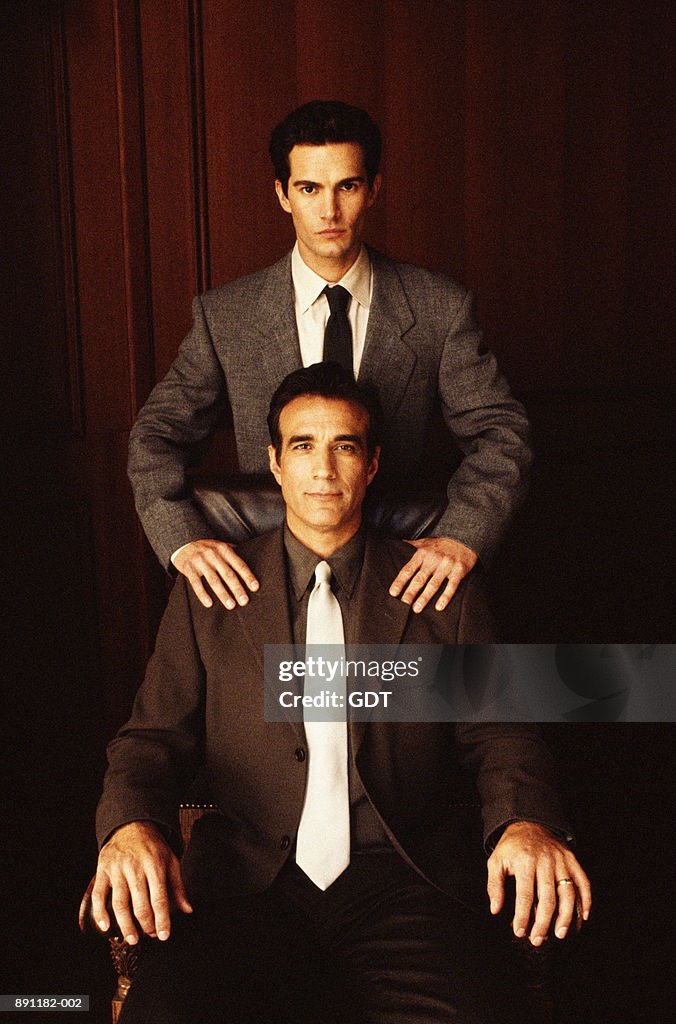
327,380
323,122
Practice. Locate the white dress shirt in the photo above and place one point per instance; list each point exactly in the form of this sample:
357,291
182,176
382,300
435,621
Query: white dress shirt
312,308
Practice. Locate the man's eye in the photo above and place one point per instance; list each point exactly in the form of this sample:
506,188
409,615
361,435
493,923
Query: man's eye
308,190
349,186
302,446
346,448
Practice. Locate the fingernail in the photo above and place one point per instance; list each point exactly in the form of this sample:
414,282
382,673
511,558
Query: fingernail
163,935
243,599
230,605
131,939
561,933
492,907
254,585
520,932
585,916
536,940
103,925
417,607
393,591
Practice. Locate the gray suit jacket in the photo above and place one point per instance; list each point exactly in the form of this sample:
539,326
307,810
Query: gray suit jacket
202,704
423,352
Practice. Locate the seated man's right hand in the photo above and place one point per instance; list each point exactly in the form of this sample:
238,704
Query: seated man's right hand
219,564
144,876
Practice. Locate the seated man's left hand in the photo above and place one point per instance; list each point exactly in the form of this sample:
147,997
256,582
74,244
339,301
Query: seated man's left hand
549,880
437,560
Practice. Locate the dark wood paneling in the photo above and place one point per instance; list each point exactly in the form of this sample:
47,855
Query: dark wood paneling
105,95
40,363
99,221
168,95
514,171
651,297
423,129
596,135
249,82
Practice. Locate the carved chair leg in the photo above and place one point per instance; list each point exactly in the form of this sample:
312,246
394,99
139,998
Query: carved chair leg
125,961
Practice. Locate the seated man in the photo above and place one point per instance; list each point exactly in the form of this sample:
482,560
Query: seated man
332,885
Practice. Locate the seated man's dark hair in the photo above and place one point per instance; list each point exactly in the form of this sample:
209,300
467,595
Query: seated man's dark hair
319,123
327,380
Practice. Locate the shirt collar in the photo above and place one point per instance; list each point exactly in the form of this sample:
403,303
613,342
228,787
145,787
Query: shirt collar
345,563
308,285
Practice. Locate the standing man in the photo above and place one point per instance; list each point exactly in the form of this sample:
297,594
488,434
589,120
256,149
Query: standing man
337,869
408,331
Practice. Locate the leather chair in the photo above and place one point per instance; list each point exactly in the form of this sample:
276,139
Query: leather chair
245,506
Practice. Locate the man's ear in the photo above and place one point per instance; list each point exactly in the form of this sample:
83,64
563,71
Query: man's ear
375,189
373,464
274,465
283,200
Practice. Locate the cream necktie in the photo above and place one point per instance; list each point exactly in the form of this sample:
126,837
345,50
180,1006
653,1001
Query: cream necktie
323,841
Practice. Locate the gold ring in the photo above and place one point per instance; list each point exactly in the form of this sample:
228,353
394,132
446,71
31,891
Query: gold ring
564,881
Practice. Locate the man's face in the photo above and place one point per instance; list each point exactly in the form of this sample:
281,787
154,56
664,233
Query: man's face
328,196
323,469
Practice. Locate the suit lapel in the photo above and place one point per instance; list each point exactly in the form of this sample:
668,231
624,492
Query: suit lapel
273,322
382,619
266,619
388,360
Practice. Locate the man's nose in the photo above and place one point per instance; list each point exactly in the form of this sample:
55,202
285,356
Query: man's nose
329,206
324,465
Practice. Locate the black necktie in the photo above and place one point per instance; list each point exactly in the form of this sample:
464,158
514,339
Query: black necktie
338,333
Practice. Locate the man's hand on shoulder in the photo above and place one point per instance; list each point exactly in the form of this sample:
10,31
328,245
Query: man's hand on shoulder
219,564
144,877
549,881
437,560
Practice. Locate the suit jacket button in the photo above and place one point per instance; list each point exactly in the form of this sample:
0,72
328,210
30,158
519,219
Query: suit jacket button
284,843
299,754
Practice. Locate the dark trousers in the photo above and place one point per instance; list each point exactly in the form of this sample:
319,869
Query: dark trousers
380,945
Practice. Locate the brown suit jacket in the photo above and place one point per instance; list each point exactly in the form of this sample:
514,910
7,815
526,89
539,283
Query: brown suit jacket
202,704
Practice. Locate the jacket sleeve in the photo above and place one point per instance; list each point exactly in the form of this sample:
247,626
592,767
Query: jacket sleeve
515,775
170,434
157,752
491,429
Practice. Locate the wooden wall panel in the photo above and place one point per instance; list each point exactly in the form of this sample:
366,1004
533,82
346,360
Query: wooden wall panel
514,172
105,97
249,83
39,357
596,138
338,57
423,129
99,225
174,196
651,297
